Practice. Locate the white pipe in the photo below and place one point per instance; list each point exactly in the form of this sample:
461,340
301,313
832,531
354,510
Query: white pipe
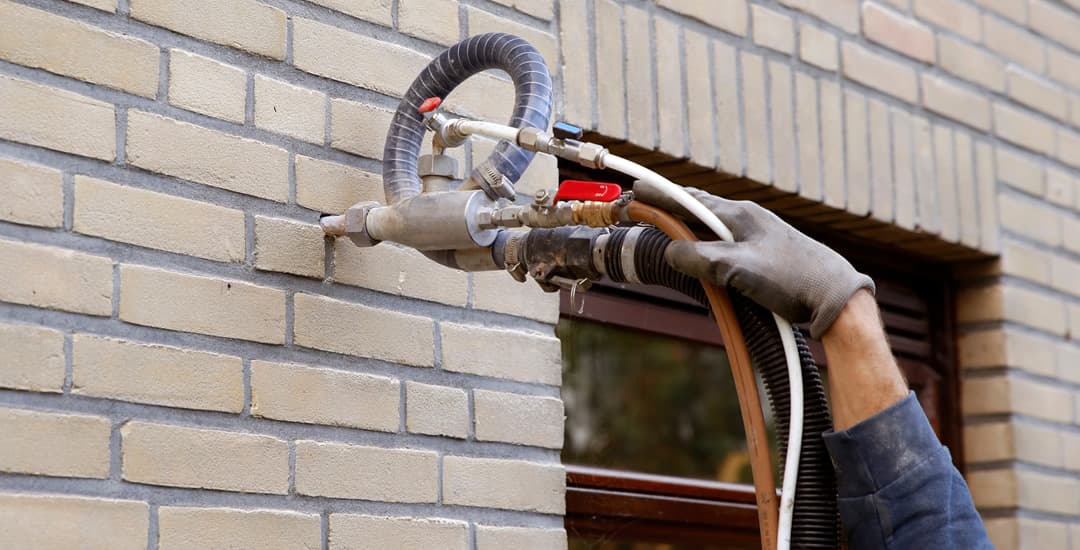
489,129
787,337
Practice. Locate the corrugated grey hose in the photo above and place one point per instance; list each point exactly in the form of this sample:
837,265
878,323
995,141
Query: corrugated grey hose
532,84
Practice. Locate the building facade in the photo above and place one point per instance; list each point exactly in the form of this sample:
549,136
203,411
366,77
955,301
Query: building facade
186,362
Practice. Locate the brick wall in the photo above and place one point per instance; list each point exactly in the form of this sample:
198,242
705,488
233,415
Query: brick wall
186,361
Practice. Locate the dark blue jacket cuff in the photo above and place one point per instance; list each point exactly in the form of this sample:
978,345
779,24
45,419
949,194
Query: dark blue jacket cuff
879,450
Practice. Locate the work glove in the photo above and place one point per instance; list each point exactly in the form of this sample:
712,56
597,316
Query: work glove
770,262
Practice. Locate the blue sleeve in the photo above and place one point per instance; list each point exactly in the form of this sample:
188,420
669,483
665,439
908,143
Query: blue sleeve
898,487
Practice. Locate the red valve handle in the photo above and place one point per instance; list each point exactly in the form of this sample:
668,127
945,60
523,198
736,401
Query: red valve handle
581,190
430,104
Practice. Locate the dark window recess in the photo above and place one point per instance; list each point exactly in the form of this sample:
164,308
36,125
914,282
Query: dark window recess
654,444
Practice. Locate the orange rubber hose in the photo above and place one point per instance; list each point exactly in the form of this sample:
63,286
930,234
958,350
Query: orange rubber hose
746,388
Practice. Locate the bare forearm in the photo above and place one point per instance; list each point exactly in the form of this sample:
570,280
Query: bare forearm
863,376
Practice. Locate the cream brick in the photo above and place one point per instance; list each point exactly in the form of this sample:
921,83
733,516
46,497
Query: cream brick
610,57
773,29
990,395
782,123
577,69
1030,219
903,161
840,13
857,153
542,9
1035,309
33,194
986,185
832,144
1007,348
59,45
1068,145
945,165
1020,171
1014,43
700,101
504,484
492,291
376,11
1065,275
55,278
818,47
1032,91
489,537
1063,67
156,374
1044,492
245,24
1055,22
926,188
881,182
965,189
993,488
807,132
485,97
1061,187
729,16
398,270
1023,129
729,141
354,58
175,456
203,305
980,304
971,63
203,85
289,246
298,393
988,443
189,527
56,521
1037,533
49,444
671,115
337,470
436,410
478,350
897,32
755,117
956,16
1025,262
481,22
520,419
354,329
1071,450
945,98
290,110
1017,11
358,128
56,119
331,188
355,532
1038,444
207,156
33,358
105,5
1068,365
1003,532
157,220
433,20
879,72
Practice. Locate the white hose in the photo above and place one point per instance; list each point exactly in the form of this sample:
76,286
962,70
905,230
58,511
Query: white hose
787,337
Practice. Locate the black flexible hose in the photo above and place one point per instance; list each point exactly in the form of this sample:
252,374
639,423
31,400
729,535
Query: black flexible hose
532,106
815,522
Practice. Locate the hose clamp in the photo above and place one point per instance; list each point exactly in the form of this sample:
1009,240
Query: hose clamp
626,255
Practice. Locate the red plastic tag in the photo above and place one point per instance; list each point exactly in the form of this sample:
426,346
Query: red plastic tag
581,190
430,104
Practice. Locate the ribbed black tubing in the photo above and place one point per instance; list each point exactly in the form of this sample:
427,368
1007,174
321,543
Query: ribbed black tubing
532,105
815,523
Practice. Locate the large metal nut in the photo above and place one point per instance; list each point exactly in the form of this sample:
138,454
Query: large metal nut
533,139
591,155
437,165
356,223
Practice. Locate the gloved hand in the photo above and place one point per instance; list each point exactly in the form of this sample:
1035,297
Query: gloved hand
770,262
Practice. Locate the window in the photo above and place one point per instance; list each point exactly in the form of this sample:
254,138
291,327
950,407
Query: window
654,445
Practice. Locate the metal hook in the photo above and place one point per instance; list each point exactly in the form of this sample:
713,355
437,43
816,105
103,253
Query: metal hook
573,294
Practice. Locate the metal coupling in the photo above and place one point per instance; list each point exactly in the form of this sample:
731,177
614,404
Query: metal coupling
352,224
437,172
447,134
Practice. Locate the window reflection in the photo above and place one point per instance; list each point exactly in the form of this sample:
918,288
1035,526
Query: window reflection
650,403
